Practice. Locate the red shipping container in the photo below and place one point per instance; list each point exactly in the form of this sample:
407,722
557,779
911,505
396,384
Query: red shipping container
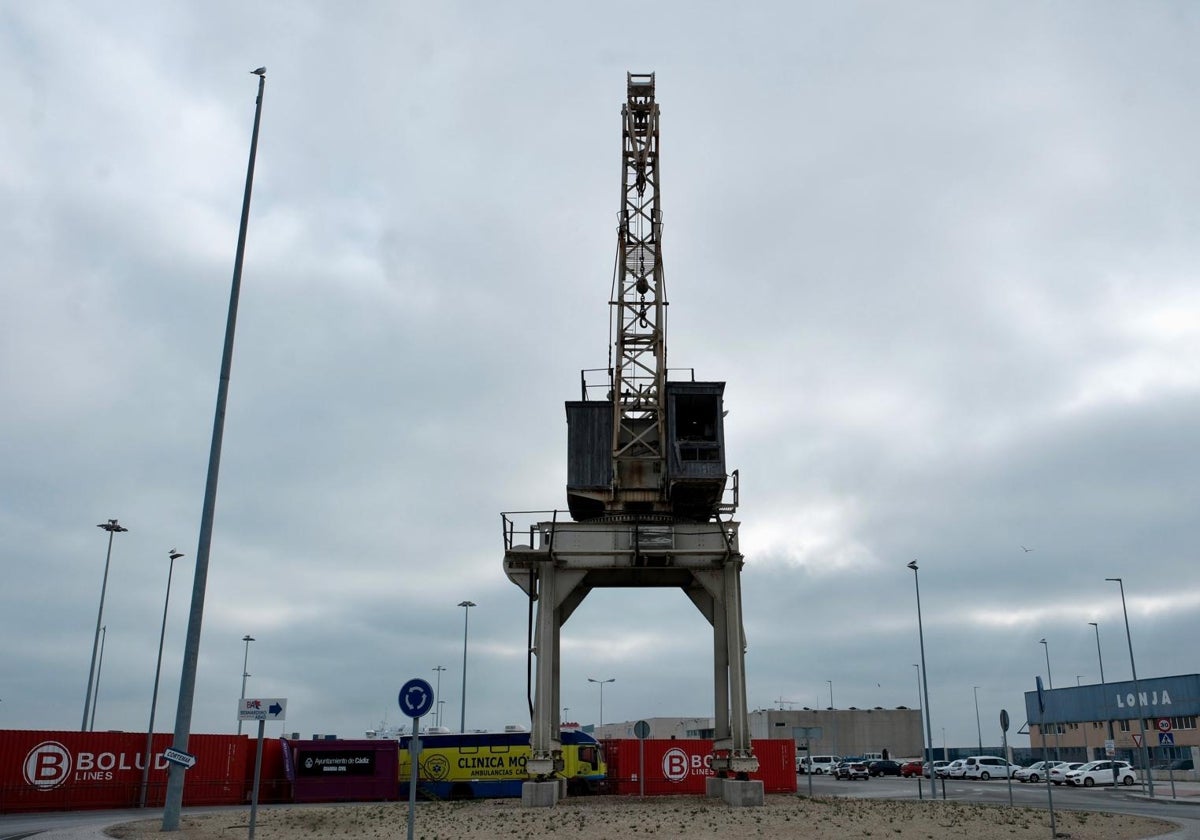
61,771
681,767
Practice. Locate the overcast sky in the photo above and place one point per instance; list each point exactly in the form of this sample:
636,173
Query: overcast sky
943,254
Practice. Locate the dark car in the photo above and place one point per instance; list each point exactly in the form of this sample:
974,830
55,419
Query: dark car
912,768
884,767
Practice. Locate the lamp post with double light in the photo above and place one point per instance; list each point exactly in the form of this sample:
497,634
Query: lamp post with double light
462,721
601,684
113,527
173,555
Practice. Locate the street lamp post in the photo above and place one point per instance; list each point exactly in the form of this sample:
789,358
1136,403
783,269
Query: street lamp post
173,807
162,634
601,684
437,718
113,527
1049,678
834,718
1136,691
245,661
1111,734
926,757
978,728
99,668
925,685
462,721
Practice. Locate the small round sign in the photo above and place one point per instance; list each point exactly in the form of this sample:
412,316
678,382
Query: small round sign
1164,724
1004,720
641,729
416,698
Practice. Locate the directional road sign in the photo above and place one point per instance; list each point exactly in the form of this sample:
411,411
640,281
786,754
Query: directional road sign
262,708
416,698
179,757
1166,739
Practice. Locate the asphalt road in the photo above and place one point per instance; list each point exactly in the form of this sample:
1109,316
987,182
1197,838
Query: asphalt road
1183,810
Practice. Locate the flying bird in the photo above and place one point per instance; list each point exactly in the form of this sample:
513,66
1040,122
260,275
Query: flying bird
1026,550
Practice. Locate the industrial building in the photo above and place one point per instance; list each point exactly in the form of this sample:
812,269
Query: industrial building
1152,721
893,732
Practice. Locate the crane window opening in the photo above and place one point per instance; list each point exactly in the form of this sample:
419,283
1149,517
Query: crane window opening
696,423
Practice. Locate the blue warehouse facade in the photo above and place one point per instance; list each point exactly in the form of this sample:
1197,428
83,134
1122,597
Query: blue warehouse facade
1076,723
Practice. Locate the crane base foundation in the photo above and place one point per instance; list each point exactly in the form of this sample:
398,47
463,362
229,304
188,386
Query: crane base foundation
736,793
539,794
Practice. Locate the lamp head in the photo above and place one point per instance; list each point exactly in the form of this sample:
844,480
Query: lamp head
913,565
261,71
248,638
175,555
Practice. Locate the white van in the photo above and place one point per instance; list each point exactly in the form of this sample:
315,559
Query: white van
987,767
818,764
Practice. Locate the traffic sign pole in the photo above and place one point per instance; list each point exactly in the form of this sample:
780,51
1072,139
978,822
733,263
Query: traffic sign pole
262,722
416,699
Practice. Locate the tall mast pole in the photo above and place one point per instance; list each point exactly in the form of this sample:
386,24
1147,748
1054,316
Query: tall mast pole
640,373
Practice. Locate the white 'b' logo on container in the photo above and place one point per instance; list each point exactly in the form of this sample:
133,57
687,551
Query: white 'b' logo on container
47,765
675,764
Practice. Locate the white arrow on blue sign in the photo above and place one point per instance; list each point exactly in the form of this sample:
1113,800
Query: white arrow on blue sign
416,698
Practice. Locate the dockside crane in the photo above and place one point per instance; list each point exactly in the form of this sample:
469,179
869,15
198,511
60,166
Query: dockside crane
646,486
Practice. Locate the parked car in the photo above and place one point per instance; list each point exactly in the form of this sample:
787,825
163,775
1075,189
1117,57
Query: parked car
1101,773
1058,773
953,770
934,767
986,767
912,768
884,767
820,764
1035,772
852,769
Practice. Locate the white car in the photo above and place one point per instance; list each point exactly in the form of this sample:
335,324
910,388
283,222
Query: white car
1101,773
1035,772
935,768
1058,773
986,767
953,770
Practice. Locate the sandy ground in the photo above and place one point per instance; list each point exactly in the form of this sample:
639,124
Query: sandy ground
667,818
